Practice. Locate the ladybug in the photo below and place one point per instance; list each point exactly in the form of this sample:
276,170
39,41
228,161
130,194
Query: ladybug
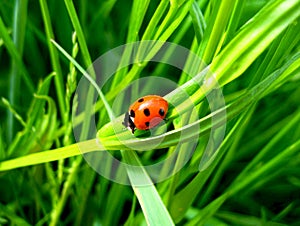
146,113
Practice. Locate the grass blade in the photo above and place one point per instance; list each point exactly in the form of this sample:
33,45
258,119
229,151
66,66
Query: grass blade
54,59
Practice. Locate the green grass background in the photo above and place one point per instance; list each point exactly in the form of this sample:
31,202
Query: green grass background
251,178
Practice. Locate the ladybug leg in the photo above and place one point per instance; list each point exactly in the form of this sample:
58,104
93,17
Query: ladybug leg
132,130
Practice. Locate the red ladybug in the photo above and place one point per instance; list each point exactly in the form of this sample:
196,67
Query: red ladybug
146,113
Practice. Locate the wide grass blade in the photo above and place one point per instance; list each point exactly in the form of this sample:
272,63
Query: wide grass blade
153,208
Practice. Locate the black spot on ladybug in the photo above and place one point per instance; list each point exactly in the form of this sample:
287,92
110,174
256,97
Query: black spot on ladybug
147,124
132,114
161,112
147,111
141,100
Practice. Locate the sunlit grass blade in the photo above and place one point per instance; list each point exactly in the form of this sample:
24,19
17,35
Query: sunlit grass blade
198,21
213,37
91,80
253,39
86,59
48,156
138,12
154,210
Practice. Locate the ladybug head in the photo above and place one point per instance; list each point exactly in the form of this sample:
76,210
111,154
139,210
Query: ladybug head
128,122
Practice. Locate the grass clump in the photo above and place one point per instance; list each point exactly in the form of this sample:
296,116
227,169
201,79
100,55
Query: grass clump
235,163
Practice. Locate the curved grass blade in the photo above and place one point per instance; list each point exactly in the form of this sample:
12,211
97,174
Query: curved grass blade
169,139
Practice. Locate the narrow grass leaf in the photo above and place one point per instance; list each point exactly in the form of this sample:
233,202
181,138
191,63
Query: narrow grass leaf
214,33
15,56
59,85
138,12
91,80
18,36
198,21
87,61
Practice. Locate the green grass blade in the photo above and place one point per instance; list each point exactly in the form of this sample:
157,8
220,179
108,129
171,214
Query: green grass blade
13,218
59,84
198,21
15,56
26,139
213,39
153,208
151,28
88,76
48,156
138,12
254,38
268,148
19,26
86,59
